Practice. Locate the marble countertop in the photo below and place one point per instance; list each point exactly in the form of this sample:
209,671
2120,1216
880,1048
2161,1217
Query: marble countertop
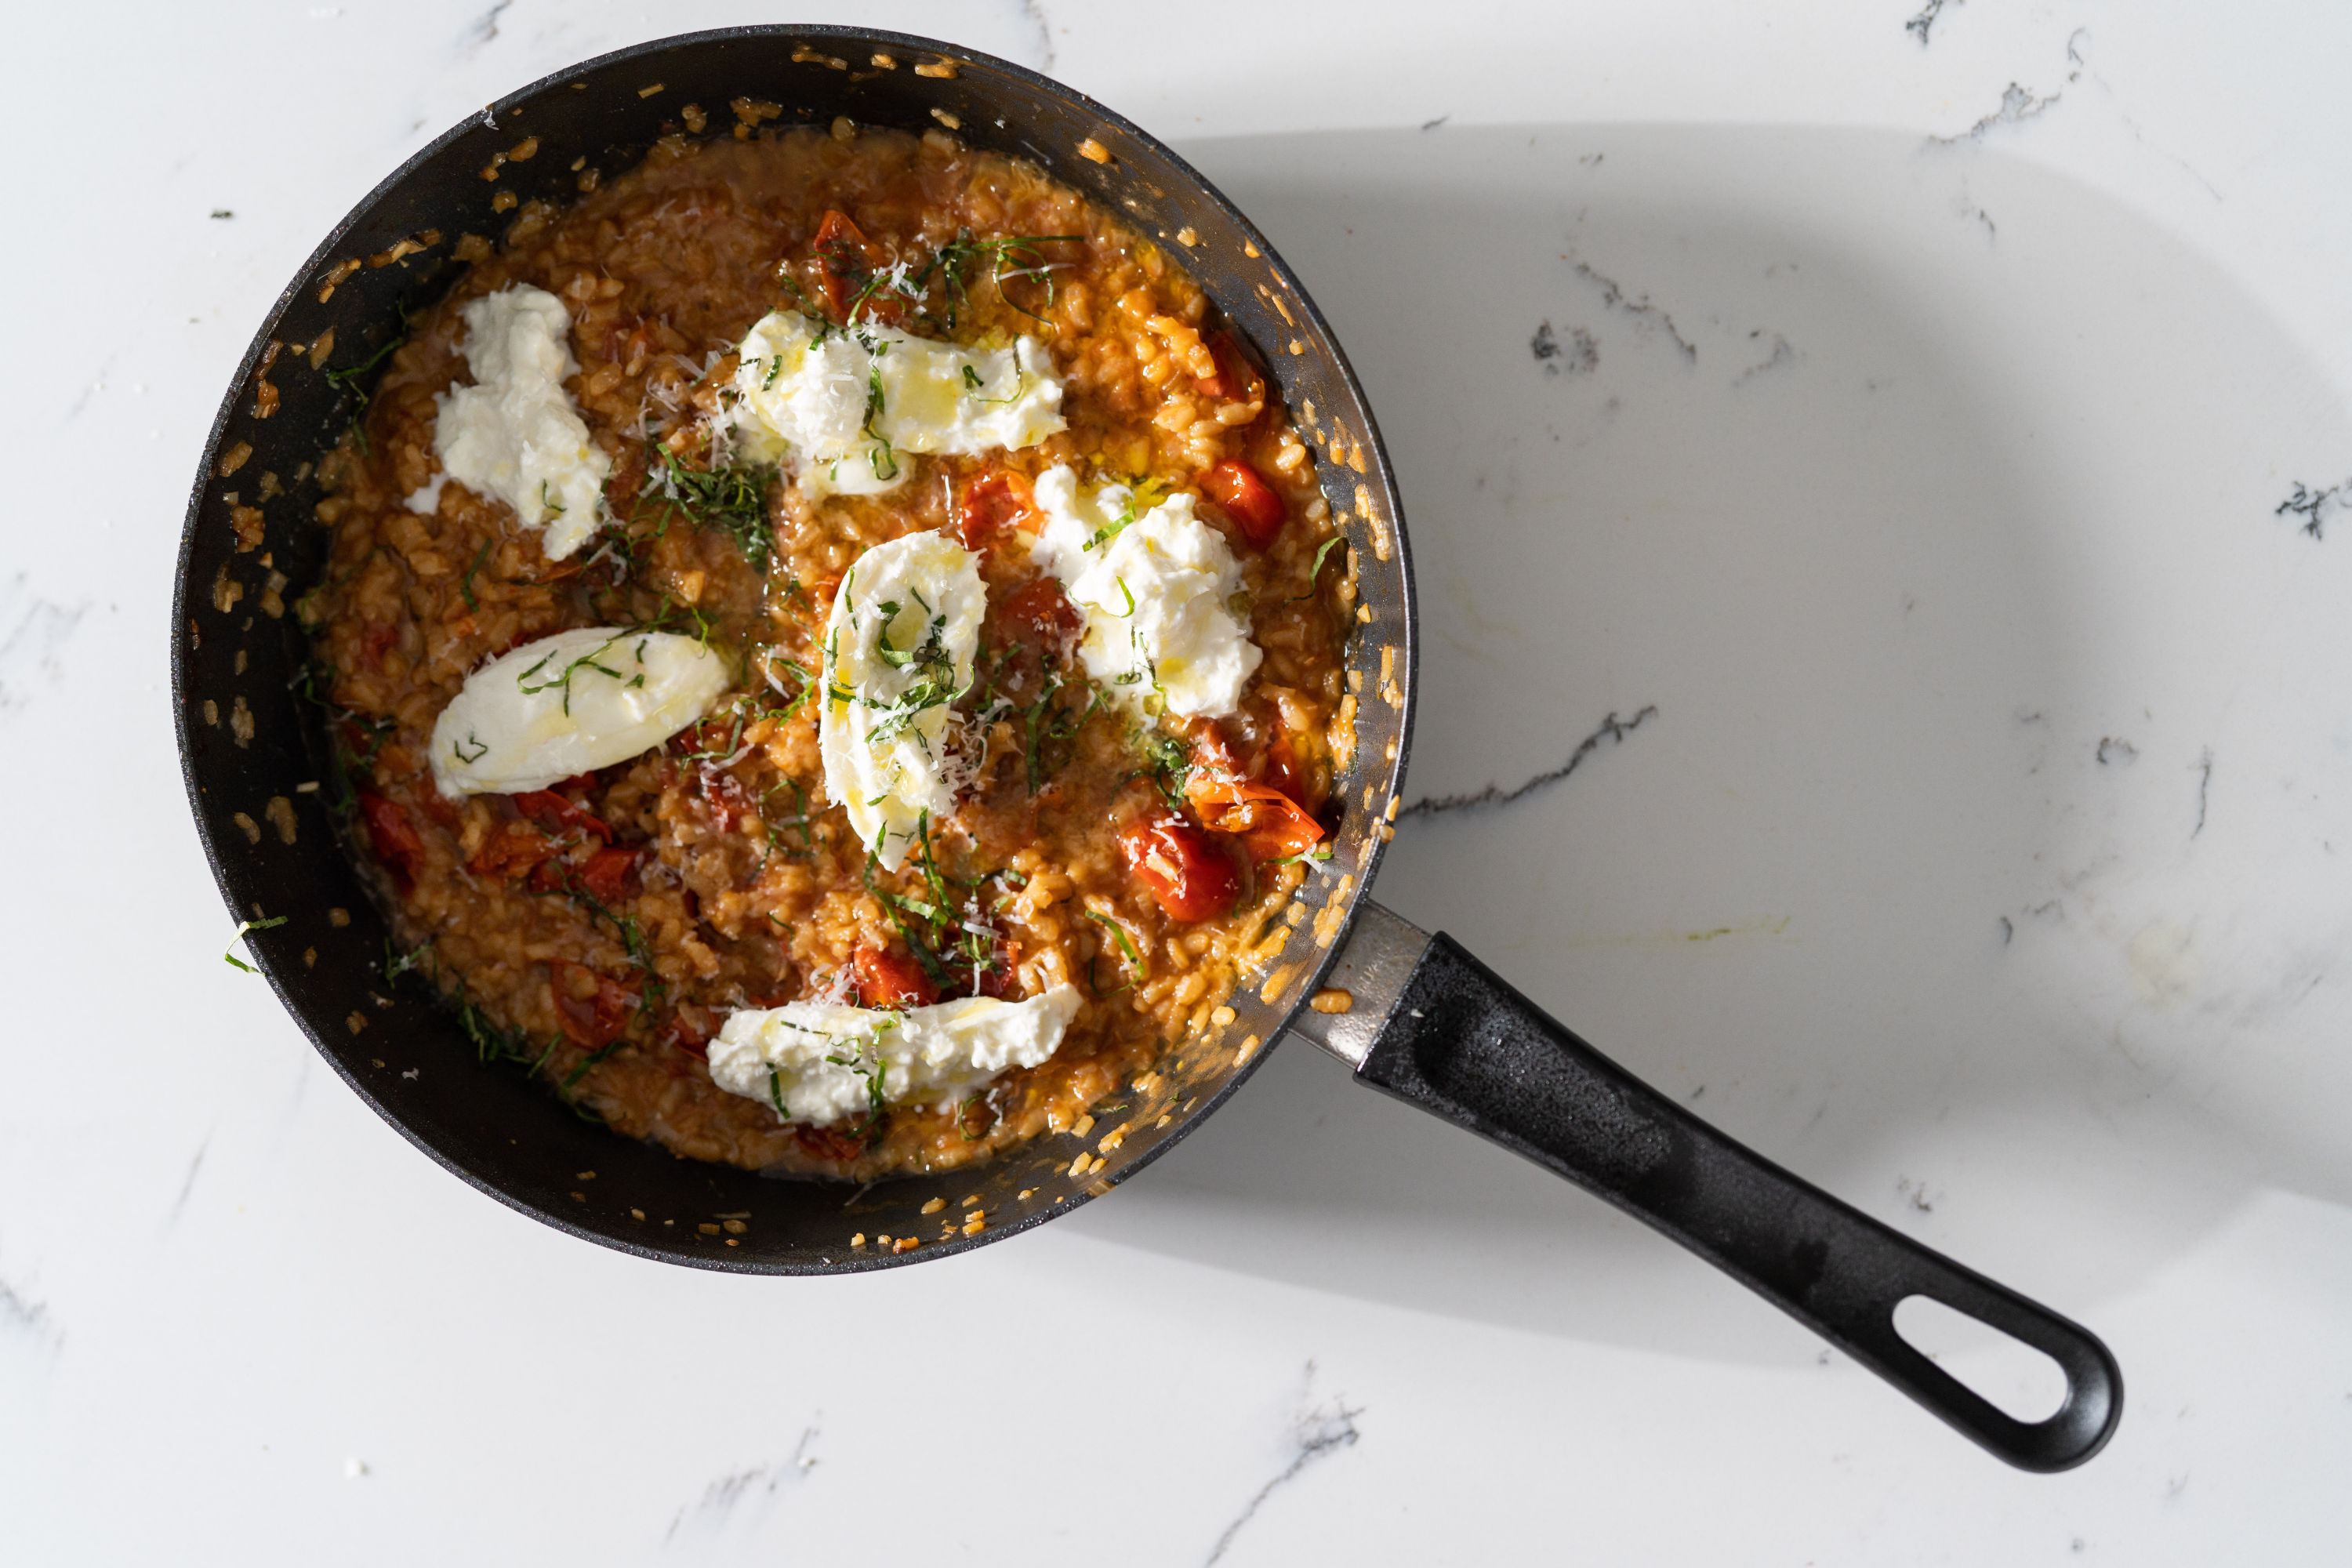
1915,441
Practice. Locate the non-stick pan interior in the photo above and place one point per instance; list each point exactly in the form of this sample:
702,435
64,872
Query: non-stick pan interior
251,744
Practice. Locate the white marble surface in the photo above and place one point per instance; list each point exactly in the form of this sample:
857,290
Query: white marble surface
1925,400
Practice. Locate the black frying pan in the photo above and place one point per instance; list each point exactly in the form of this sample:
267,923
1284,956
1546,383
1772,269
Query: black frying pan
1424,1021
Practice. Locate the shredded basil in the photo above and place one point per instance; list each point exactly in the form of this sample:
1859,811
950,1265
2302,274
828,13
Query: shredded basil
1317,570
465,584
244,926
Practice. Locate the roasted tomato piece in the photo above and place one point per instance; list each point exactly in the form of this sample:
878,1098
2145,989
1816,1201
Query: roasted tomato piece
692,1028
999,979
1247,499
1271,813
888,978
435,804
829,1143
559,816
514,848
992,502
393,837
598,1017
1270,825
1038,614
608,873
1283,771
1186,869
1235,381
847,261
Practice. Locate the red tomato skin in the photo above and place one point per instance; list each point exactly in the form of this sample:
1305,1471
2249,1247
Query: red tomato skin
989,503
1268,817
592,1022
1248,500
552,812
999,979
1234,382
1269,823
608,873
691,1031
888,978
845,259
393,837
1282,769
1041,616
516,848
1185,868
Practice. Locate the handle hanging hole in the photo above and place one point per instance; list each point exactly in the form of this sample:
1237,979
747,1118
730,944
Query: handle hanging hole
2018,1380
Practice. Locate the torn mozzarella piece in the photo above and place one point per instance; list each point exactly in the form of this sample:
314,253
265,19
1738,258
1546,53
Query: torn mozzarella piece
851,403
1157,589
515,435
897,653
568,704
819,1063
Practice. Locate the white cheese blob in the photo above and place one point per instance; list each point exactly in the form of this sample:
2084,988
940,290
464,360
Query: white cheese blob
515,435
569,703
898,651
816,1062
850,407
1157,589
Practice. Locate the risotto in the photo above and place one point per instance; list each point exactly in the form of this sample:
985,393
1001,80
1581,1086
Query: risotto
833,656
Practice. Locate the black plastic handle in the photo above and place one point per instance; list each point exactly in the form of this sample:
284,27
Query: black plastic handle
1464,1044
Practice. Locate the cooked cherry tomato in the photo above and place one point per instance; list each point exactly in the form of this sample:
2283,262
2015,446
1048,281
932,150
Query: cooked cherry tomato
436,806
999,979
1234,382
1282,768
514,848
888,978
1248,500
1185,869
1039,616
594,1021
393,837
1268,813
828,1143
607,873
989,503
1270,825
691,1029
557,814
846,262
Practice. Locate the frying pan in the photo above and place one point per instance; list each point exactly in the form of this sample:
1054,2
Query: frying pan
1412,1015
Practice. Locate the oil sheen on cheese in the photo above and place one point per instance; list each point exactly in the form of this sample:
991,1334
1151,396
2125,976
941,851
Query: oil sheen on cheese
849,406
818,1063
1158,587
515,435
570,703
898,652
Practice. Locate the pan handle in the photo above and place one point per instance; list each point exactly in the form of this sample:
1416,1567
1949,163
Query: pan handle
1459,1042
